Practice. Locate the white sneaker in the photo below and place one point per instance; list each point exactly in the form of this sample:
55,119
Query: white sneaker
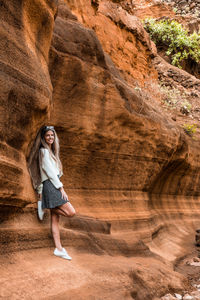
40,210
62,253
66,254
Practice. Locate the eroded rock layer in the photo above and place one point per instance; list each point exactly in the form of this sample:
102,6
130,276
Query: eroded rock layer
122,37
26,30
119,152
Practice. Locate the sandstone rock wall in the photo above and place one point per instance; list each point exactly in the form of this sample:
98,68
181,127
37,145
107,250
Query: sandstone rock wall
186,12
124,160
122,37
130,171
26,30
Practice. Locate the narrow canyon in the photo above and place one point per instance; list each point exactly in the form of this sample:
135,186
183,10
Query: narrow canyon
131,170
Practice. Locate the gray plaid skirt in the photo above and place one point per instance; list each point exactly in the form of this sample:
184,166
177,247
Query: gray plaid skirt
51,196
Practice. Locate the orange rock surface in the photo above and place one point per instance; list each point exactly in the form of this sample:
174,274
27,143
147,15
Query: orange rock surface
130,171
26,91
124,160
122,37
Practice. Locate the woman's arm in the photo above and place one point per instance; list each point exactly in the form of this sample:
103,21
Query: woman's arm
64,195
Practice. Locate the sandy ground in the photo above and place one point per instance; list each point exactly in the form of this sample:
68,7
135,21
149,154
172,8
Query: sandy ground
38,274
144,275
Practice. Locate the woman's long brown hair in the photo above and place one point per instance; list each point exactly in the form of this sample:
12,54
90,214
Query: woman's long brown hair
34,157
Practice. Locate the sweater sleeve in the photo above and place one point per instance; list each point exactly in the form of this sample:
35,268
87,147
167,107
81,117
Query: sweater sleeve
49,169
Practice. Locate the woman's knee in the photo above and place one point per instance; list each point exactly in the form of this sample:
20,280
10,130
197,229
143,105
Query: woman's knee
68,210
72,212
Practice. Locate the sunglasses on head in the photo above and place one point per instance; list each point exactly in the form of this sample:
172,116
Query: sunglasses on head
49,127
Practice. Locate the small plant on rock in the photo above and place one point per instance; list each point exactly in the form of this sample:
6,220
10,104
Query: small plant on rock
186,107
180,44
190,129
171,96
137,89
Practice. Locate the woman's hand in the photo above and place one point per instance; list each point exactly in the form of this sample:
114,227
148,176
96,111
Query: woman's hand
64,195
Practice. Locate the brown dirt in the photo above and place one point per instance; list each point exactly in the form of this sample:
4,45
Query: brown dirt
37,274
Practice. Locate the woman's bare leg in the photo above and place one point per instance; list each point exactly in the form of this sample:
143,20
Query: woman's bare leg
58,211
55,230
66,210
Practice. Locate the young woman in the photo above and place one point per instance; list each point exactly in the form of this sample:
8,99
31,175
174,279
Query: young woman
46,169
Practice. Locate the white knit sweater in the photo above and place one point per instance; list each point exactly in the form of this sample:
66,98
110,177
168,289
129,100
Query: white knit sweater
48,170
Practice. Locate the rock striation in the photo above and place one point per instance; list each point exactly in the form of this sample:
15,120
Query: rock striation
107,162
26,90
122,36
130,171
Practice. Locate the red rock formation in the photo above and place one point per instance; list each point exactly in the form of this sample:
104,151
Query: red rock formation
26,90
146,8
122,37
131,173
125,162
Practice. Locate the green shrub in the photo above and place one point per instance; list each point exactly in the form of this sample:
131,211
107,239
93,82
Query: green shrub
180,44
190,129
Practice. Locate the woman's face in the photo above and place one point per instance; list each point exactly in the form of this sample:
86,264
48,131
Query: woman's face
49,137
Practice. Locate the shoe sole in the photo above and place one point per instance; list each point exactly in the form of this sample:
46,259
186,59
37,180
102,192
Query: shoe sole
40,217
40,213
63,256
